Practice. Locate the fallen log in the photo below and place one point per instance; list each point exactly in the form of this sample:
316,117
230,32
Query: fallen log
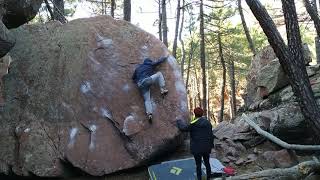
300,171
277,140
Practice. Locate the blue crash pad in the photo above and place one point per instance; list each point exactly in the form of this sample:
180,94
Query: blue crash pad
182,169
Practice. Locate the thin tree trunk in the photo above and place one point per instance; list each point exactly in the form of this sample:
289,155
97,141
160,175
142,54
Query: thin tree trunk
312,10
127,10
203,60
290,59
245,28
182,42
160,21
58,10
164,23
49,9
113,7
175,40
198,87
223,78
104,7
189,61
233,89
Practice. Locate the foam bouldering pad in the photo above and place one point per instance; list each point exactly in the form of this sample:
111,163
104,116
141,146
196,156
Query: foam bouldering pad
181,169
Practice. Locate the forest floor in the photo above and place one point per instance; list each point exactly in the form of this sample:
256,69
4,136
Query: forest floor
141,173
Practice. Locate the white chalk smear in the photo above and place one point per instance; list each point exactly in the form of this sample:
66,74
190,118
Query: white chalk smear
91,57
184,106
93,129
180,87
86,87
126,88
173,63
73,133
106,113
103,42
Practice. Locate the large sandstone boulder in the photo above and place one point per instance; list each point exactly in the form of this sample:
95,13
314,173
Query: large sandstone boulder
17,12
260,60
286,95
266,75
70,100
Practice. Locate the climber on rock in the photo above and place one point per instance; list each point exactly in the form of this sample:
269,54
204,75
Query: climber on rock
144,76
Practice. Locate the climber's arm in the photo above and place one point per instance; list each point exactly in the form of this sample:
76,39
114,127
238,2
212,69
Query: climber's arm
159,61
183,126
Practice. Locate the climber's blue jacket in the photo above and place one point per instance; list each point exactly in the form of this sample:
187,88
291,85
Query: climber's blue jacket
146,69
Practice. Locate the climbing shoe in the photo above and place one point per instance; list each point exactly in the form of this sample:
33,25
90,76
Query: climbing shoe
164,91
150,118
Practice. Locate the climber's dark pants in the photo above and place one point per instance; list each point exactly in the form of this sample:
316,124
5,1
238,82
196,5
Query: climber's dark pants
197,158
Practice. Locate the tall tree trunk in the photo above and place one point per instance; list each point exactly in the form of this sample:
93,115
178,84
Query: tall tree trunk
103,7
58,10
198,87
164,23
291,59
160,21
176,32
49,9
189,61
245,28
233,89
127,10
182,42
113,7
312,10
203,60
223,78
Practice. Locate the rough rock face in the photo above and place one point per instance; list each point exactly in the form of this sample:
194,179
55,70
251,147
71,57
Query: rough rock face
4,64
266,75
14,13
70,100
271,104
7,41
17,12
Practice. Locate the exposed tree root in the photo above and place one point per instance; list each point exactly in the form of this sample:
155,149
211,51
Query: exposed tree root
277,140
299,171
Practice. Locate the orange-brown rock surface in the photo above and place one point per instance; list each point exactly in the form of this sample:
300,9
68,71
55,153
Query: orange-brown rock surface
70,99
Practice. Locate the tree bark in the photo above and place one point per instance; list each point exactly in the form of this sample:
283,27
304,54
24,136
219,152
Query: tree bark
245,28
300,171
220,119
198,88
203,60
58,10
174,47
233,89
290,59
164,22
160,21
113,7
49,9
191,51
183,51
312,10
127,10
278,141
